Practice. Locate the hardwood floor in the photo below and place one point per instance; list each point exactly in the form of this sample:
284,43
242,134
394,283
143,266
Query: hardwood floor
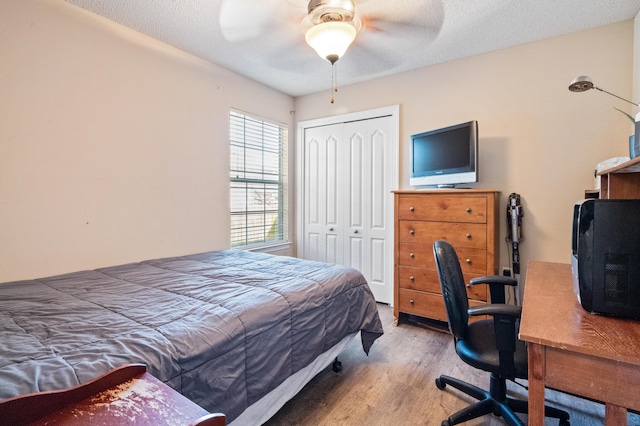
395,385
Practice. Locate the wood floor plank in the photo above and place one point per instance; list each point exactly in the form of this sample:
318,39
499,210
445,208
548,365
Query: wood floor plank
395,385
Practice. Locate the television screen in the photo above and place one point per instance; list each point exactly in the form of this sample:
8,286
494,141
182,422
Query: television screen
446,156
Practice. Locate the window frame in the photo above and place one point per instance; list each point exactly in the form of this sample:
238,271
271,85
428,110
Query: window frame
250,137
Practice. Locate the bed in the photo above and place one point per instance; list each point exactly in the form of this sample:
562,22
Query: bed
234,331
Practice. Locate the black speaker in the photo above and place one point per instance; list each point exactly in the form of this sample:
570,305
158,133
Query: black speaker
606,254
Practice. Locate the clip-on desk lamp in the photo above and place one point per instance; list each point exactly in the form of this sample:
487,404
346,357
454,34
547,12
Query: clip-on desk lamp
584,83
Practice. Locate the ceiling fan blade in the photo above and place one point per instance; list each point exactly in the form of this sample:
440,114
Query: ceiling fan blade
423,17
296,58
246,19
285,48
360,59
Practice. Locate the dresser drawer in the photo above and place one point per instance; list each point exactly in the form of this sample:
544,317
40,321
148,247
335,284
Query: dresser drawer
430,305
423,279
445,208
424,304
420,255
471,235
472,261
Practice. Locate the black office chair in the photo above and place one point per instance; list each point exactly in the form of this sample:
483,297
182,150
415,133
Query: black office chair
489,344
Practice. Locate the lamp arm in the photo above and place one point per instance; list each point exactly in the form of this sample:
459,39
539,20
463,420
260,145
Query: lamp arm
626,100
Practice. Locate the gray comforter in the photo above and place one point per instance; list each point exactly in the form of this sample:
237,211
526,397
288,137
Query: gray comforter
223,328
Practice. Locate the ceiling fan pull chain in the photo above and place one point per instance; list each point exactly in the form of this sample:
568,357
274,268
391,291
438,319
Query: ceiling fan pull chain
334,84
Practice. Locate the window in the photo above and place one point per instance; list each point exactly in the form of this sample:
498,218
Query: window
258,181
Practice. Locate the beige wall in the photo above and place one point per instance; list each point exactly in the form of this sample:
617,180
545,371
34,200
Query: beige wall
113,146
536,138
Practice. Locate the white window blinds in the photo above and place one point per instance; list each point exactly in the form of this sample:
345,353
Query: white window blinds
258,181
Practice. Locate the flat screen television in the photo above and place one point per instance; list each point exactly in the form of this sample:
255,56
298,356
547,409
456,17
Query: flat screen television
445,157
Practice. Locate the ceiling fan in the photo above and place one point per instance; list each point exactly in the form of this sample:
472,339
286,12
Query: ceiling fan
376,28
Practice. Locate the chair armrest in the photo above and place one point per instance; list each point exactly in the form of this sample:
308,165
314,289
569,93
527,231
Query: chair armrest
504,325
494,279
496,309
497,284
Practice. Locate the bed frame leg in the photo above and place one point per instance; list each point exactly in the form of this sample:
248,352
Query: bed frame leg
337,365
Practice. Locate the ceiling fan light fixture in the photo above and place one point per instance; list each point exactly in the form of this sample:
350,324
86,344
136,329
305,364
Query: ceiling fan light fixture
331,39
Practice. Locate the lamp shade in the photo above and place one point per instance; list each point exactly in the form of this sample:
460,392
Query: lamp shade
581,84
331,39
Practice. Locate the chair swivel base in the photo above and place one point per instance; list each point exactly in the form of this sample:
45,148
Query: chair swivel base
492,403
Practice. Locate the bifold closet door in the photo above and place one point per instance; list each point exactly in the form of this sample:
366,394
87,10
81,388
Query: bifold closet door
368,202
323,148
347,198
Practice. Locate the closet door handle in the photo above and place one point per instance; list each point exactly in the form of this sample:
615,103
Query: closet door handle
330,229
355,232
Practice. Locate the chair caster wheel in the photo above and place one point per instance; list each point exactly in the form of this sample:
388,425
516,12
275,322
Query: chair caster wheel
564,422
337,366
441,385
445,423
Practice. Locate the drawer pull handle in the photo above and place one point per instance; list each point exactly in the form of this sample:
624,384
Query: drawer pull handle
330,229
468,209
355,232
411,301
412,278
411,209
468,236
411,231
468,285
411,255
468,261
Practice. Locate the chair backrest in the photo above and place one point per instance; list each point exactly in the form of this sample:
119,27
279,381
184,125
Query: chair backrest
453,288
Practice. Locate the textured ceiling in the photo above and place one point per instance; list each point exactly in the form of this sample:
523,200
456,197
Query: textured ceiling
262,39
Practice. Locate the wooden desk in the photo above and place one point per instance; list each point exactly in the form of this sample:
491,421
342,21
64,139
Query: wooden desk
573,351
125,396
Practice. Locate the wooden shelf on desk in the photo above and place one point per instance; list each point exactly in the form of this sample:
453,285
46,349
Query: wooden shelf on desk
631,166
621,181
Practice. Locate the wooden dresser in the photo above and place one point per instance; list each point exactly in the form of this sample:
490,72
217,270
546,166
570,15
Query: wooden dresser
468,219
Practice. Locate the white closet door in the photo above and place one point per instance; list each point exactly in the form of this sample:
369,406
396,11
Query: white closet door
368,203
322,228
348,174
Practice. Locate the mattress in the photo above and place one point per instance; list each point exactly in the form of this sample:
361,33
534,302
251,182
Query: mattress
223,328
